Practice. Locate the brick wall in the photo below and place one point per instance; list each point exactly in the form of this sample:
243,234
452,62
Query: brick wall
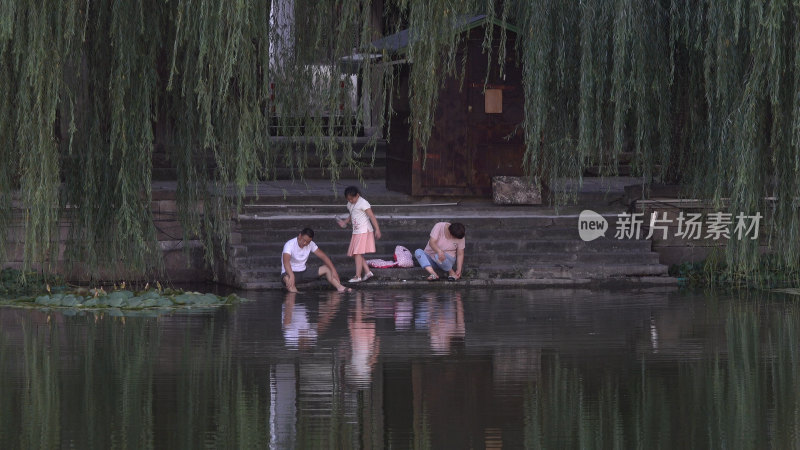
183,260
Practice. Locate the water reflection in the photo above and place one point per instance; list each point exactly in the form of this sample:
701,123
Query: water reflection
364,342
472,369
106,382
443,316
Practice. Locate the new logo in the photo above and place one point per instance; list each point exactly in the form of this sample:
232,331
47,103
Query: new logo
591,225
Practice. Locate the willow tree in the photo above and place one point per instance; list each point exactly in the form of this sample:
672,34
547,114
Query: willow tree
702,92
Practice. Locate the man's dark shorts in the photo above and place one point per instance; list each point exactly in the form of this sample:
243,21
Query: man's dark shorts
310,274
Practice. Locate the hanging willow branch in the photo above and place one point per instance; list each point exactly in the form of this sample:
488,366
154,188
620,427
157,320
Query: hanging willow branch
698,92
43,34
701,93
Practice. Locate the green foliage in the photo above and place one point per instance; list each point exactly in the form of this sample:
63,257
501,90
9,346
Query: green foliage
714,271
433,48
701,92
14,285
90,88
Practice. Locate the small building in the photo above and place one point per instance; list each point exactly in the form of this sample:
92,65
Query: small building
476,134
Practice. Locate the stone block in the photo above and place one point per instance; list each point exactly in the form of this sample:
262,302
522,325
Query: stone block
507,190
235,238
168,229
167,206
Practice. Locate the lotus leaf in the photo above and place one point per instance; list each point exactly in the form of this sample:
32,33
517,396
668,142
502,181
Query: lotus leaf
134,302
50,300
149,302
183,299
121,294
207,299
114,302
70,300
127,300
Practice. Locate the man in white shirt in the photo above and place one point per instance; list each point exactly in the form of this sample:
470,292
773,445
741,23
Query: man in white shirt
293,263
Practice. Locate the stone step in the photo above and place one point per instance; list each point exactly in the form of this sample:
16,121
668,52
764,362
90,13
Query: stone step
406,217
472,219
272,262
576,271
655,283
338,206
417,237
503,243
472,223
269,274
301,201
566,258
572,270
517,270
408,236
385,248
382,202
588,200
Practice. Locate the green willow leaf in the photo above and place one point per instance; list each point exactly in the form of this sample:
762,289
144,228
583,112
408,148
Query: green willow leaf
700,93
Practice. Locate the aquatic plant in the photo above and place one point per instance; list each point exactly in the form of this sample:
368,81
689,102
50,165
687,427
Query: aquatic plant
122,299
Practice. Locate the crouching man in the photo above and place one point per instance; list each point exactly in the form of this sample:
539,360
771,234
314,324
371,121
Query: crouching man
293,263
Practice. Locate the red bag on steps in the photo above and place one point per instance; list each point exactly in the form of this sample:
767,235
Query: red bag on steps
403,257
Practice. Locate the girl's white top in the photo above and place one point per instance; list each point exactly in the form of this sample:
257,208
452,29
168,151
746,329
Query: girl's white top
359,217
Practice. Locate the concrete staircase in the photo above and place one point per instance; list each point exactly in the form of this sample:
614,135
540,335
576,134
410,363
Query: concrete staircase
505,245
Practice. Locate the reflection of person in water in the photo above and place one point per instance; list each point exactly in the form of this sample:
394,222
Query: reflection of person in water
298,330
403,314
444,320
364,345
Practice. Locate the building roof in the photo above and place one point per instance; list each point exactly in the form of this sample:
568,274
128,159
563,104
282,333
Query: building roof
398,42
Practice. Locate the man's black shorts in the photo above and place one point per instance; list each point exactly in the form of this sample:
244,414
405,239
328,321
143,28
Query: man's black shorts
310,274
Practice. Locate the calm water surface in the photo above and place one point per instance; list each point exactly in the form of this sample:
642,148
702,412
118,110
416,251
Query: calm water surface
415,369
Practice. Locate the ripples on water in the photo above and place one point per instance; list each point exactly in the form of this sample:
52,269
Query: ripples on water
416,369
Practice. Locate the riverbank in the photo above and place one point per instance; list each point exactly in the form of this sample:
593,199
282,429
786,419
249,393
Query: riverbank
521,245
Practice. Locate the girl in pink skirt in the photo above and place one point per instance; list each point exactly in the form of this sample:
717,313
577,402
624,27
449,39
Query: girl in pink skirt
364,232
